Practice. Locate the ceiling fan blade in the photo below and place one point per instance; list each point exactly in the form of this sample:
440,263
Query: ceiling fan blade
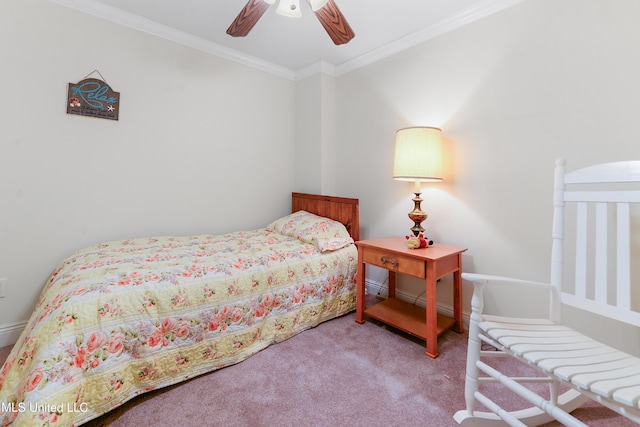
247,18
334,23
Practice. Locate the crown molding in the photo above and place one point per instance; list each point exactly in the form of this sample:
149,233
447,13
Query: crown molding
127,19
480,10
321,66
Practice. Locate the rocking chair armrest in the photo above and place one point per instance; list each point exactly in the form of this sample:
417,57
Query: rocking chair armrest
482,280
486,279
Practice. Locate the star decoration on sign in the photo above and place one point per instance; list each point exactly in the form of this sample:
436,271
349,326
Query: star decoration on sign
110,108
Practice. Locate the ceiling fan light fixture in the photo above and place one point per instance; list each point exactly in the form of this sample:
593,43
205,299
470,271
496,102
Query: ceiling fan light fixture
326,11
289,8
317,4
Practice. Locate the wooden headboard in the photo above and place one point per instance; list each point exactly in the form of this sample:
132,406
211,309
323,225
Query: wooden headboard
342,209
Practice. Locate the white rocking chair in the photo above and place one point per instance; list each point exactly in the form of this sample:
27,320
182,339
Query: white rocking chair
603,205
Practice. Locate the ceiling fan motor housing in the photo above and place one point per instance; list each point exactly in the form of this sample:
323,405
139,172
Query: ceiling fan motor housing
326,11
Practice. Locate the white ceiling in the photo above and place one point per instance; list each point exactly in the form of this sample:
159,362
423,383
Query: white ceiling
294,47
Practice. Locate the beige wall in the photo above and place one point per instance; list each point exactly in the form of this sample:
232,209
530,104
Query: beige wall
199,140
198,134
512,92
316,142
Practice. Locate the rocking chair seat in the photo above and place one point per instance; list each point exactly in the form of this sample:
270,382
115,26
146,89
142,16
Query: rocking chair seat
582,362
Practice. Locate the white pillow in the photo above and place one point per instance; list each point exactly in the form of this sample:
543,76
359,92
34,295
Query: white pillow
326,234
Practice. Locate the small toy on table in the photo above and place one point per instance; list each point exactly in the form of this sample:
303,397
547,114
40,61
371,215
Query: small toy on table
416,242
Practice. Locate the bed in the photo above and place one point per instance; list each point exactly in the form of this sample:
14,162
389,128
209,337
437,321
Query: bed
121,318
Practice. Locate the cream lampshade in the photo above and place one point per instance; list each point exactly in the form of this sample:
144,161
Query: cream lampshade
418,158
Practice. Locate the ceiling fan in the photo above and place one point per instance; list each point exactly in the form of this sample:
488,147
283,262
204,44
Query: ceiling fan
325,10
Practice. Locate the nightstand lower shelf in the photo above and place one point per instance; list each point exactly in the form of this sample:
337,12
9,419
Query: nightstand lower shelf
406,317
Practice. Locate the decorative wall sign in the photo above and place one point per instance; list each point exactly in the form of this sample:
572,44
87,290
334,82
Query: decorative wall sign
93,97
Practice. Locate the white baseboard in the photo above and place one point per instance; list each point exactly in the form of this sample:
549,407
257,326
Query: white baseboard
373,288
10,333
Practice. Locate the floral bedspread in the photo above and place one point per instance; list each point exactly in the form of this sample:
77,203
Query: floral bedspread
118,319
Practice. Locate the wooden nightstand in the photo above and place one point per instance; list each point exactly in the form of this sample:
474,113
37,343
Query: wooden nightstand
431,264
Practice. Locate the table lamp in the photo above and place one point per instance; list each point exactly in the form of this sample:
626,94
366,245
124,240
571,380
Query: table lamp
418,158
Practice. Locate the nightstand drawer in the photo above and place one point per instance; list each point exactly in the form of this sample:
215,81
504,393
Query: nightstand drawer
394,262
